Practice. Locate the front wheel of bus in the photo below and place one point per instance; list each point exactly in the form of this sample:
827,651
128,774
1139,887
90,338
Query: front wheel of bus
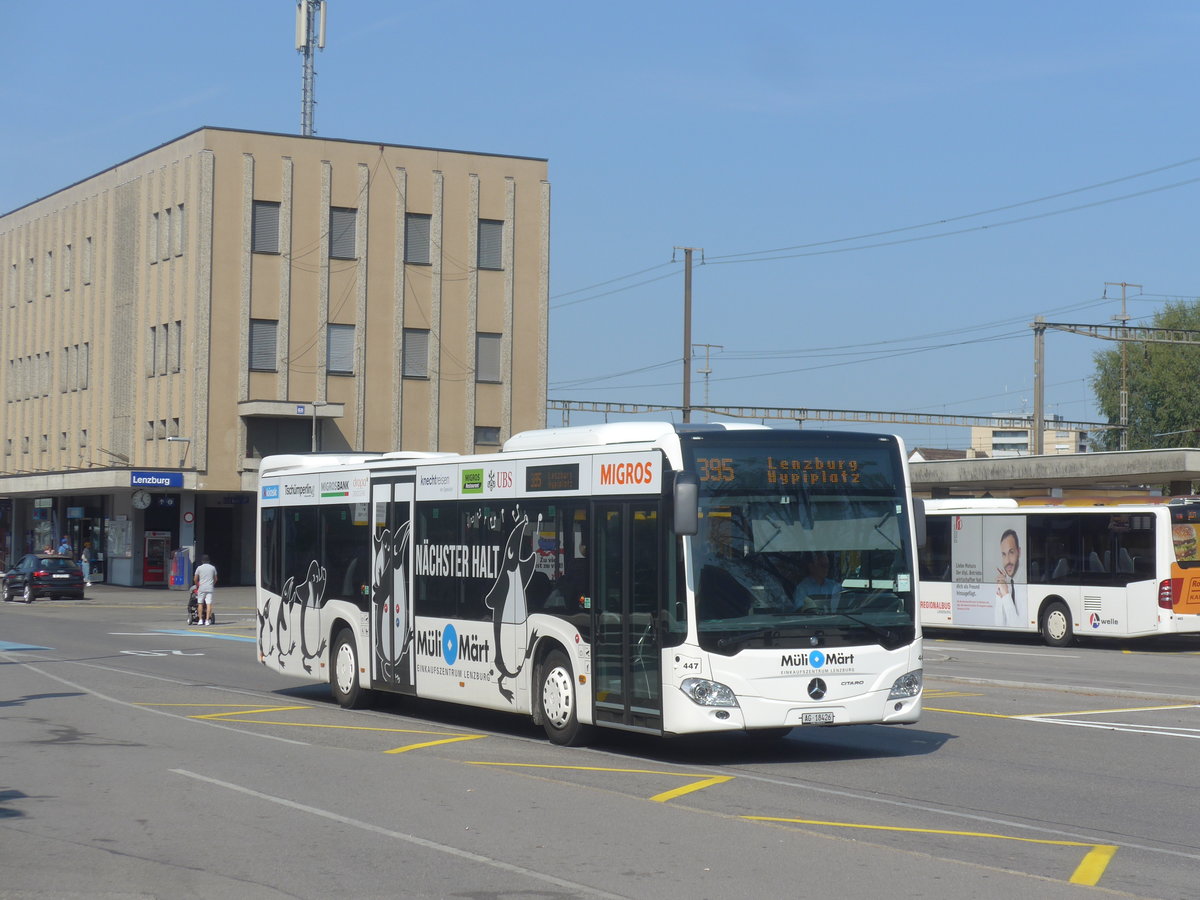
1056,625
344,681
560,701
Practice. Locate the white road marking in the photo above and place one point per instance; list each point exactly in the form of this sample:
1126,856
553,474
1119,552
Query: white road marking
407,838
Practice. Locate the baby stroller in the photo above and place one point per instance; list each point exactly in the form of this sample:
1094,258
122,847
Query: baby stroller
193,607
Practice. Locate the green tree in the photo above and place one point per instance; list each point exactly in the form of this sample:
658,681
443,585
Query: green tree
1163,384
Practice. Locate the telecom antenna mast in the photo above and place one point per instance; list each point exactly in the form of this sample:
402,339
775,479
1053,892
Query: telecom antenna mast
310,37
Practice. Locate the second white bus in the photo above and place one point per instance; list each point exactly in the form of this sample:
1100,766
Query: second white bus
1059,571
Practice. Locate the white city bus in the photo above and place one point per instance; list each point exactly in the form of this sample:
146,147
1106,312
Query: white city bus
1113,571
640,576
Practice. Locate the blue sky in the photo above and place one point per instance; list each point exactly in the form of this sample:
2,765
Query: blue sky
798,144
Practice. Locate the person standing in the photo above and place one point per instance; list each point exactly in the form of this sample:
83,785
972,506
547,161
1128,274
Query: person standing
206,583
64,546
85,563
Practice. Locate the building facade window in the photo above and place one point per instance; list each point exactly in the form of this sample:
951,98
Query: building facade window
341,350
164,235
487,435
342,226
491,244
487,357
262,344
416,238
175,347
264,227
179,239
416,353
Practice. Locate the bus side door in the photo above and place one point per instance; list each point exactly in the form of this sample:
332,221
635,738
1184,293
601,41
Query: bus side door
391,599
627,649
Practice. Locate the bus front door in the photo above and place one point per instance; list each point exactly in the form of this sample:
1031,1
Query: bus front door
627,652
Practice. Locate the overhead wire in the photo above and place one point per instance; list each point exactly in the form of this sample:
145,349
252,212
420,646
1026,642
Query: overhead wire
997,209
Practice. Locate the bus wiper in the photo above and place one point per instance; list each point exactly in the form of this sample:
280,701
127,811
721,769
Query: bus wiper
879,528
767,635
886,635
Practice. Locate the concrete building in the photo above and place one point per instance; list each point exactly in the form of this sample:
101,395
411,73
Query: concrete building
1002,442
229,294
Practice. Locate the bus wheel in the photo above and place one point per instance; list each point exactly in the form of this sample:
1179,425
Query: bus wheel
344,677
559,699
1056,624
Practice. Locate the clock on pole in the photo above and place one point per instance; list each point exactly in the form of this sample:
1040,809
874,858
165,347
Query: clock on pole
141,499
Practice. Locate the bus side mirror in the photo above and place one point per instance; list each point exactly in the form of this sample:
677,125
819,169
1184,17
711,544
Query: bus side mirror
919,521
687,503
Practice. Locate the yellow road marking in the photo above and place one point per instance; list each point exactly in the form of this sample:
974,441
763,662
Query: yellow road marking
249,707
1097,712
236,715
249,712
967,712
449,740
1087,872
705,780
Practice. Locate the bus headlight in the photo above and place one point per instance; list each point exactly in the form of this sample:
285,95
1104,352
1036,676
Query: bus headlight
708,693
907,685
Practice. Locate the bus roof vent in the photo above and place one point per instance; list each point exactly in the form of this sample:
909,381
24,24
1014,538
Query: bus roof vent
415,454
312,460
588,436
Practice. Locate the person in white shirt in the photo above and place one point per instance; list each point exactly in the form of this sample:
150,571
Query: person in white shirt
1010,596
206,583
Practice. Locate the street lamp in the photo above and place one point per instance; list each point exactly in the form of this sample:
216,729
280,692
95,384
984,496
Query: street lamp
315,404
187,445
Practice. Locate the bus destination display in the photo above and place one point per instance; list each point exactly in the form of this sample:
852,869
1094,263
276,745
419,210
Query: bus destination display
806,470
562,477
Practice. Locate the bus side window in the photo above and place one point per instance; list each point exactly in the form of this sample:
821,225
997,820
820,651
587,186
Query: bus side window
935,555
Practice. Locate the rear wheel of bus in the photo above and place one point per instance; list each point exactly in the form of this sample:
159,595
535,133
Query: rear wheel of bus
344,675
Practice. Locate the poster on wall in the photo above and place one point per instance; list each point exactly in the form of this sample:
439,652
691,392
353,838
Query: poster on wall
990,580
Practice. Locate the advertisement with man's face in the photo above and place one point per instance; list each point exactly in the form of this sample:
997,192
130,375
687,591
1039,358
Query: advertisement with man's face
988,560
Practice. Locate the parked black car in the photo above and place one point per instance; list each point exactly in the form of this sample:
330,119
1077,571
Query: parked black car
43,575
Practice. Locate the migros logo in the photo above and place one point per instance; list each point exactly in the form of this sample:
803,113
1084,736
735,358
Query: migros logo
627,473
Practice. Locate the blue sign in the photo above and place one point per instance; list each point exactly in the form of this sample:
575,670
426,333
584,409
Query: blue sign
299,409
156,479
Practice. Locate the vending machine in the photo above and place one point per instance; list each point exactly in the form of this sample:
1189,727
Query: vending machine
156,560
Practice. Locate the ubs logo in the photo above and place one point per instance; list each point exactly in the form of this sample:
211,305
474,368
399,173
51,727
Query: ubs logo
816,689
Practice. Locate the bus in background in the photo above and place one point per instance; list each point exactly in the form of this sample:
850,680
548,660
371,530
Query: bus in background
1115,571
650,577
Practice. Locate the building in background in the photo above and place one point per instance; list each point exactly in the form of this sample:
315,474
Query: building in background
166,323
1001,442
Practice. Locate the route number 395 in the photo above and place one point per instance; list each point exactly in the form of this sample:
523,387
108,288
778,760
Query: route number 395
715,469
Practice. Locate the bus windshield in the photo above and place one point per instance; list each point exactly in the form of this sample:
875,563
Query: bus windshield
803,537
